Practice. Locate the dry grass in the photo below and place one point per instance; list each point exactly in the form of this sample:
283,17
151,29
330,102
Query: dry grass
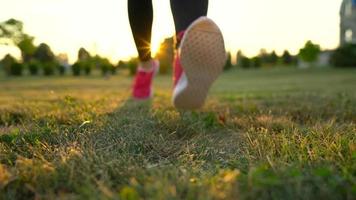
269,134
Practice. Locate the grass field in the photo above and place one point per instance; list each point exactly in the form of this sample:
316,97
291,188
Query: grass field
263,134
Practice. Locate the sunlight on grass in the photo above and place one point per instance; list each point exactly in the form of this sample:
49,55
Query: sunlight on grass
85,139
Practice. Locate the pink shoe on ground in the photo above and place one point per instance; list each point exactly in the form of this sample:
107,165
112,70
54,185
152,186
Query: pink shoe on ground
142,85
198,63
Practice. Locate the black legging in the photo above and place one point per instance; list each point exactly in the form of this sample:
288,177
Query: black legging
141,17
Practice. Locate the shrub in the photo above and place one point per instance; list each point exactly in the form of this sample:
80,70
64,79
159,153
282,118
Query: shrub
121,65
85,60
310,52
344,56
132,65
245,62
76,69
287,59
273,58
34,67
256,62
16,69
104,68
61,69
48,68
268,59
99,63
87,68
7,62
113,69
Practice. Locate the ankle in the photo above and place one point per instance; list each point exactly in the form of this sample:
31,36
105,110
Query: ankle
147,65
179,37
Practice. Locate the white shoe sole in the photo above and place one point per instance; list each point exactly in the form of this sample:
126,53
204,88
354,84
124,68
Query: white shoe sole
203,56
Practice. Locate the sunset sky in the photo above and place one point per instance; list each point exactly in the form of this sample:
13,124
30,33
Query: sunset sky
102,26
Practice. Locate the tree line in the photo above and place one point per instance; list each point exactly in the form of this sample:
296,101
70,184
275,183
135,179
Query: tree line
41,59
343,56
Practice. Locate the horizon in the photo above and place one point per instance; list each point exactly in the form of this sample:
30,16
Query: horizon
247,25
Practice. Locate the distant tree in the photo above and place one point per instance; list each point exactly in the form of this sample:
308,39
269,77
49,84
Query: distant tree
106,66
228,64
165,55
245,62
11,66
268,59
132,66
310,52
344,56
44,55
83,55
242,60
287,58
49,68
7,62
239,55
103,64
34,67
76,69
121,65
105,69
87,67
62,60
86,62
61,69
113,69
273,58
16,69
256,62
27,48
11,33
263,55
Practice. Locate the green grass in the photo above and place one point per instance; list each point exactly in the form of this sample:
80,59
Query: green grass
263,134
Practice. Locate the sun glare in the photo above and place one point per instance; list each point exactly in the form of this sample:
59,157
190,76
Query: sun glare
155,49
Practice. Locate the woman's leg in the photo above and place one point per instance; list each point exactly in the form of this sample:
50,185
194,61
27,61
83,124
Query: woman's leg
141,17
187,11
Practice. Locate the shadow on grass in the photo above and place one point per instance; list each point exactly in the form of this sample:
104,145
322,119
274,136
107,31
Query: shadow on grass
144,150
134,141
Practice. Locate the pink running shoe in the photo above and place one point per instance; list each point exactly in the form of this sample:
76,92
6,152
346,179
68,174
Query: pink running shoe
198,63
142,85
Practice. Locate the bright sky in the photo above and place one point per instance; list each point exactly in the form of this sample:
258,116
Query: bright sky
102,25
